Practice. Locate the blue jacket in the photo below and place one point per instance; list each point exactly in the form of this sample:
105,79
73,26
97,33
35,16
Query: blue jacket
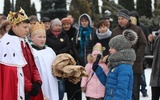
118,82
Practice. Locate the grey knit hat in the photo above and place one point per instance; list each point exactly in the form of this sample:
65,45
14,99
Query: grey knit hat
124,13
55,21
124,41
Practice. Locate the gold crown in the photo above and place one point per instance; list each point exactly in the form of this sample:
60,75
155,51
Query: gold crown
37,26
18,17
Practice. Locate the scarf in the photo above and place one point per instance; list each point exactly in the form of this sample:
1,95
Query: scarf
105,35
56,32
126,56
84,34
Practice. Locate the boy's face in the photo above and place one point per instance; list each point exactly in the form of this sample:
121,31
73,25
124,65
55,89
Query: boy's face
112,50
66,26
84,22
21,30
39,38
102,29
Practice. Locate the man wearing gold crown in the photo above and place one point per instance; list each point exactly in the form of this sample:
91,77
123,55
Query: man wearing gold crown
19,77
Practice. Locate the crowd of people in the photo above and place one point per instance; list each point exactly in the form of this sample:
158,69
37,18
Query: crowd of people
114,59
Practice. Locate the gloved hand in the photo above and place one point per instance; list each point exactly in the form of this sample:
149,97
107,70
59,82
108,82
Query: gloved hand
95,64
35,89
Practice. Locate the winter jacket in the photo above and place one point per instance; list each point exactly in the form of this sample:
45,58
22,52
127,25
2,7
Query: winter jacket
71,34
60,44
104,42
94,88
155,74
119,81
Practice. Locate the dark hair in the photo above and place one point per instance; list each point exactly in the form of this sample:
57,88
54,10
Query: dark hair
33,18
3,26
102,23
24,21
84,17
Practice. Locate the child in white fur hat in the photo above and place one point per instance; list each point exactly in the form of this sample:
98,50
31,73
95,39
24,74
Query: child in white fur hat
93,88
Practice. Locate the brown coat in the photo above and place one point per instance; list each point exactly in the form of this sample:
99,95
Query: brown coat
139,47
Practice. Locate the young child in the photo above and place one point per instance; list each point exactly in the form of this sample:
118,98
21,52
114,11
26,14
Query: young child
94,89
103,36
84,38
119,81
44,57
19,76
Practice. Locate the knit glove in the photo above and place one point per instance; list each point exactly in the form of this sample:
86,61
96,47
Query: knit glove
35,89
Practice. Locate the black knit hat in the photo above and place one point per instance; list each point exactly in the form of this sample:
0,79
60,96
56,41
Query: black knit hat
124,13
45,19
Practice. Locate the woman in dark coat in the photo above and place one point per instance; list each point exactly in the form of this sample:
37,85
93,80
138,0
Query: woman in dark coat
60,43
69,86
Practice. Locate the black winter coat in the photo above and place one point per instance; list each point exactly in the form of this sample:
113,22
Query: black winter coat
60,44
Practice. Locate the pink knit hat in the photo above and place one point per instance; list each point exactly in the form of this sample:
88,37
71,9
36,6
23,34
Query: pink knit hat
97,49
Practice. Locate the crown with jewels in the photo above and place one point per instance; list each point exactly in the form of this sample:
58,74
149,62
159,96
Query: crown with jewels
37,26
18,17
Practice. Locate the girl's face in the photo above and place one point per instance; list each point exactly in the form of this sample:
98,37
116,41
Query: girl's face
66,26
102,29
39,38
112,50
84,22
